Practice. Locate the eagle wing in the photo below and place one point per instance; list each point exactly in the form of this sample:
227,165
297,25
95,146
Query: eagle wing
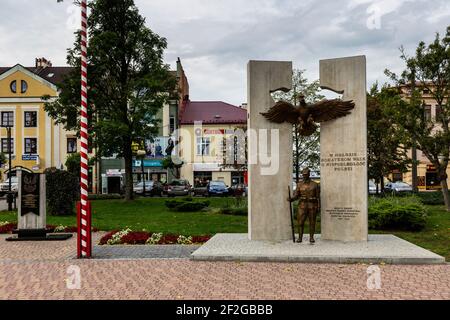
282,112
327,110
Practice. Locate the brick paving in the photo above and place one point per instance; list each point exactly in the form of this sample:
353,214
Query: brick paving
38,270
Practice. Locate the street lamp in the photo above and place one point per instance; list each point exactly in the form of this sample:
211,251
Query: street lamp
141,154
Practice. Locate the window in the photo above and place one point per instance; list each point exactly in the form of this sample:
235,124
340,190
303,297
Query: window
30,119
7,119
31,145
172,125
427,112
71,145
203,146
13,86
23,86
5,146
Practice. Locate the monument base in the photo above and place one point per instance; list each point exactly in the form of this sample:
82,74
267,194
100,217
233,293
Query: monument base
379,249
38,235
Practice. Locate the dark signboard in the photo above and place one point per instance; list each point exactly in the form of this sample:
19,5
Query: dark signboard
30,193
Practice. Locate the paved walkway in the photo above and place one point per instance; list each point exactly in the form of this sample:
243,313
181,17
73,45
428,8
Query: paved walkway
47,270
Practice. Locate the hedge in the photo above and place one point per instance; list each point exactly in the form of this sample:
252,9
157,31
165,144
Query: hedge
405,213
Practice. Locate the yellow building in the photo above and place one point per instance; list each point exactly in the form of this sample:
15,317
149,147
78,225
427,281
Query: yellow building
427,176
37,142
203,126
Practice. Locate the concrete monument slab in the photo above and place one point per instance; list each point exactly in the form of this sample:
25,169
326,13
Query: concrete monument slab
378,249
343,154
270,162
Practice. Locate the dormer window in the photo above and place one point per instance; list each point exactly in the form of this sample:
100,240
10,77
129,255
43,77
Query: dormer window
23,86
13,86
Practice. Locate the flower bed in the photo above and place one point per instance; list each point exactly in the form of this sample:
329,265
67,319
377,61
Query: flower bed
127,236
7,227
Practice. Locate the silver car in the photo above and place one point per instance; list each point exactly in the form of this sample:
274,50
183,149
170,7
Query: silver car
4,186
372,187
398,187
179,187
138,188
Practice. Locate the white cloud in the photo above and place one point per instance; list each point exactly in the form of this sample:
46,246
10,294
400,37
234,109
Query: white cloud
216,38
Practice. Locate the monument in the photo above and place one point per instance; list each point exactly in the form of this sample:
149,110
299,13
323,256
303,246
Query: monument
31,216
343,182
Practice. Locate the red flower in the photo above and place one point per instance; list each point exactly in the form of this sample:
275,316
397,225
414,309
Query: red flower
106,237
135,237
168,239
200,239
8,228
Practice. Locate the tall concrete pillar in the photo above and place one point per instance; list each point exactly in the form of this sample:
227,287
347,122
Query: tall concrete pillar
270,153
343,148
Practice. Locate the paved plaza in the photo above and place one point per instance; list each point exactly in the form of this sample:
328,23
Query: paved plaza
39,270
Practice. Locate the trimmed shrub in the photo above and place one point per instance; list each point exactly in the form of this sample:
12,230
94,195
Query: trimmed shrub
431,198
62,192
112,196
243,211
187,204
405,213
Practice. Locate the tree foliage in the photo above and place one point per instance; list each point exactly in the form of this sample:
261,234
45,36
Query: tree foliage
306,150
127,79
62,189
428,69
387,143
73,164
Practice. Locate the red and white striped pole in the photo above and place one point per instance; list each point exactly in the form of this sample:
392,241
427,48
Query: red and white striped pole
84,216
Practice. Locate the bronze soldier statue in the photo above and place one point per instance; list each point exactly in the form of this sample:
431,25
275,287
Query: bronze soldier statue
308,192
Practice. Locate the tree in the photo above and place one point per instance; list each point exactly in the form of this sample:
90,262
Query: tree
387,143
428,70
306,149
73,164
128,82
62,188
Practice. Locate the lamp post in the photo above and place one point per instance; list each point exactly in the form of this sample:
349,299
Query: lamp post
141,154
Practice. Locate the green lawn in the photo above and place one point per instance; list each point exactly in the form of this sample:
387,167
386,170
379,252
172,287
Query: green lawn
152,215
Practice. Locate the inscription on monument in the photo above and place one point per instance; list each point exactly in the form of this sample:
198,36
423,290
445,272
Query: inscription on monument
343,161
30,193
343,213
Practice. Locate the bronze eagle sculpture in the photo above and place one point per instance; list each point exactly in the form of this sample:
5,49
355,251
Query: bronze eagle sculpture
306,116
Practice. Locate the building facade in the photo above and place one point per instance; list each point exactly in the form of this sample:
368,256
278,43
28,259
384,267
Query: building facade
204,126
37,142
150,167
427,175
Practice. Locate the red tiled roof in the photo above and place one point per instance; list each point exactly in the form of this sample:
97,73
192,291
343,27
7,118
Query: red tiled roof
54,75
213,112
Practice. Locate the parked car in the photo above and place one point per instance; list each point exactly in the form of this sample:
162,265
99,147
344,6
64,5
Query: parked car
398,187
239,189
200,190
4,186
179,187
217,188
372,187
152,188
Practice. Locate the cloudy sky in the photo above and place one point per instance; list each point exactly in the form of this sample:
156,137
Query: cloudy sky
216,38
